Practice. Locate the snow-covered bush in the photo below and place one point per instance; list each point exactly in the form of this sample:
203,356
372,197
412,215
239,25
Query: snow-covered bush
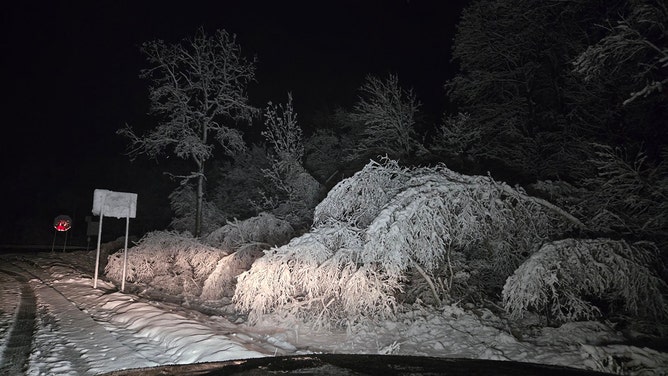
169,261
222,280
375,227
560,278
308,279
359,199
264,229
244,240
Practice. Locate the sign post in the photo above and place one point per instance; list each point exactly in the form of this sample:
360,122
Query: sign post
117,205
61,223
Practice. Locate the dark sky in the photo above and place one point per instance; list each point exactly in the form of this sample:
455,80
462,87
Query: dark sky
71,80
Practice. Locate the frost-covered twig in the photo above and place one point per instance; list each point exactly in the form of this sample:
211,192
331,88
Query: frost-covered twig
545,204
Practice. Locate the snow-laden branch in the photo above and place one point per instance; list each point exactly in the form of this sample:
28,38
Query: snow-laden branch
457,232
562,275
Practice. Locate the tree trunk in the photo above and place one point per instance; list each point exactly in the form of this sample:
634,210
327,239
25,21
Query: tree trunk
200,199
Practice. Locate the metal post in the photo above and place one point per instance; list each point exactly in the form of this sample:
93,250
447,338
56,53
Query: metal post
53,244
99,237
65,244
125,254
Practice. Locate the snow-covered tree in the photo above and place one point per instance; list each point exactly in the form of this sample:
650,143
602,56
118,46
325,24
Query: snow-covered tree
456,136
430,232
387,114
508,92
327,151
637,43
294,191
198,96
283,133
563,276
325,154
627,196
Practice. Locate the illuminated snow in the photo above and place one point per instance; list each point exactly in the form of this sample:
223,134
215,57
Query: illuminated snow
81,330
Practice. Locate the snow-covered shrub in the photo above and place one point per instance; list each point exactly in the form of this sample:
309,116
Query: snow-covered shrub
358,200
308,279
244,240
373,228
169,261
264,229
561,277
621,359
222,280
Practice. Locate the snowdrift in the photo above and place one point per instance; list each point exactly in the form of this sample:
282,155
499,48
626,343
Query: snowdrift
390,234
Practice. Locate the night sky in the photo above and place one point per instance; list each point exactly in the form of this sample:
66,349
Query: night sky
71,80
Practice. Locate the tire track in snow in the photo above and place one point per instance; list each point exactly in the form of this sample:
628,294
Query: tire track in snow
19,341
87,346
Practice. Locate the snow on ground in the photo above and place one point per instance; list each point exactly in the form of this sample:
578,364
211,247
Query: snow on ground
81,330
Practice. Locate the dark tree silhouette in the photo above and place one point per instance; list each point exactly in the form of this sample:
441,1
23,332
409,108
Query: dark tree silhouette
541,80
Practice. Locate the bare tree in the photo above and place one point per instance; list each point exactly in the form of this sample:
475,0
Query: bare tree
198,94
387,113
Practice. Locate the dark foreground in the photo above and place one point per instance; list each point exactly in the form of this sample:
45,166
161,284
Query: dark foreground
345,364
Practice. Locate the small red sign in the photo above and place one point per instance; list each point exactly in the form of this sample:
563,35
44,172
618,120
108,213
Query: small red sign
62,223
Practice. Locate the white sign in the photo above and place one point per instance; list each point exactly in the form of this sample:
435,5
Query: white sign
117,205
114,204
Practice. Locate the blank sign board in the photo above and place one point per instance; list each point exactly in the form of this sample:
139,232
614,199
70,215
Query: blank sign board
114,204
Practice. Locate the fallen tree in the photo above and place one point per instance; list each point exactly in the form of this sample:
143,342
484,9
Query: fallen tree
390,234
